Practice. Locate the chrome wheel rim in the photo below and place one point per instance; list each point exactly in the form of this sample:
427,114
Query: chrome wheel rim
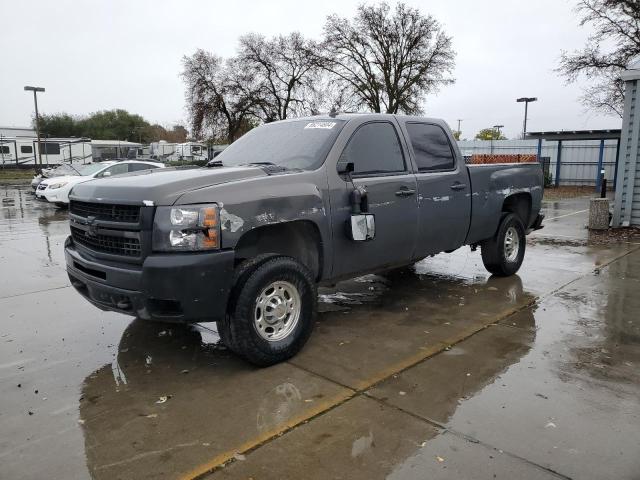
277,311
511,244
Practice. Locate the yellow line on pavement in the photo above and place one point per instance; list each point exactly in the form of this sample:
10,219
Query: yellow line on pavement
347,394
254,442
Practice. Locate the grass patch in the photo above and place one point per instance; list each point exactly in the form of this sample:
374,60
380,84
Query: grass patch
16,173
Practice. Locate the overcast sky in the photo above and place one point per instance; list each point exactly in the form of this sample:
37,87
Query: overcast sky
105,54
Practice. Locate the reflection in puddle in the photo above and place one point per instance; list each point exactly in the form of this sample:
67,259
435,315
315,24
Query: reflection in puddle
362,444
277,405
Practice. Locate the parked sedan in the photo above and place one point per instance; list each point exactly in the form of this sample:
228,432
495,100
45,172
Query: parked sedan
59,171
56,189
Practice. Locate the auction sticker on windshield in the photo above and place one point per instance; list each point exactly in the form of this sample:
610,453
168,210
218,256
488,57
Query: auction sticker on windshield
325,125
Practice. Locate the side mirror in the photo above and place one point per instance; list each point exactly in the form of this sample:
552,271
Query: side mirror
362,227
345,168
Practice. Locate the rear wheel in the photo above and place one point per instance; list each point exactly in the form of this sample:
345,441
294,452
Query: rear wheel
503,254
271,312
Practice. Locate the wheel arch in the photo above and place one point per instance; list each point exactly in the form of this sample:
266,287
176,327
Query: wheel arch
519,204
299,239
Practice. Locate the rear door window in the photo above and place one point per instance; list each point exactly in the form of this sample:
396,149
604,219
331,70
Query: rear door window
431,147
374,149
134,167
115,169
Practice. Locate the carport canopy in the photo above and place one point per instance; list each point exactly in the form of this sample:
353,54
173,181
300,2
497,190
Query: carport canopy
608,134
572,135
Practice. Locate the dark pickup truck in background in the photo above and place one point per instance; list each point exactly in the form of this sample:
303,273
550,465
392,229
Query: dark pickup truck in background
291,205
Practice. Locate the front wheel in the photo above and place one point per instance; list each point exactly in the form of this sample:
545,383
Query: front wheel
503,254
272,311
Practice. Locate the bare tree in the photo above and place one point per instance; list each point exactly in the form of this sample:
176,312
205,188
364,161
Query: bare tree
614,43
389,60
325,93
284,66
221,96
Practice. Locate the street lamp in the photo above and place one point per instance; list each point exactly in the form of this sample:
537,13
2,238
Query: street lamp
498,127
35,90
526,101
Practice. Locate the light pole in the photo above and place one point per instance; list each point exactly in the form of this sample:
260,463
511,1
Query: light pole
526,101
498,127
35,90
459,131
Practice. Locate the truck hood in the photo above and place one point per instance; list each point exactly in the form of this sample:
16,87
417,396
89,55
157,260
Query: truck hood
162,186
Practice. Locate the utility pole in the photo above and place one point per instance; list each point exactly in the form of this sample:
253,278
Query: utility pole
526,101
459,132
35,90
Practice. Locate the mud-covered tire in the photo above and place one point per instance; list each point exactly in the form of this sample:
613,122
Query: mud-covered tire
241,325
500,255
242,271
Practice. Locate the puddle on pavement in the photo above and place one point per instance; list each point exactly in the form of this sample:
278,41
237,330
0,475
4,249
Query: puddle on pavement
174,394
32,234
171,397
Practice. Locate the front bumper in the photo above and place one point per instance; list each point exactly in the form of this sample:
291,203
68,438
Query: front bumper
178,287
59,195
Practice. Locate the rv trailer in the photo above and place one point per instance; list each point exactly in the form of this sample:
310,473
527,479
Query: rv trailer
17,151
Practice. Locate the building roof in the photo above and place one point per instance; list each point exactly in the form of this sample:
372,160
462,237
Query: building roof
114,143
17,132
605,134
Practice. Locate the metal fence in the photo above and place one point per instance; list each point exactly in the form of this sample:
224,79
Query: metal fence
579,160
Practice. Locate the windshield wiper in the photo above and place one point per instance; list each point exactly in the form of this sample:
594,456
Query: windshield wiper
269,164
268,167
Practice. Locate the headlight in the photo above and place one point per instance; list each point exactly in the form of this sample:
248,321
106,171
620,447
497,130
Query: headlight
57,185
186,228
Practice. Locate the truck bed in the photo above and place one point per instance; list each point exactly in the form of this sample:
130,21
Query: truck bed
491,184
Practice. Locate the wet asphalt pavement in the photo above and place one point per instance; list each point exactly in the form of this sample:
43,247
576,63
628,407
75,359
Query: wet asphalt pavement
435,371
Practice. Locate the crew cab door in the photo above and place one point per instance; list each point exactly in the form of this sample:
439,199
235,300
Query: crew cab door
382,167
444,190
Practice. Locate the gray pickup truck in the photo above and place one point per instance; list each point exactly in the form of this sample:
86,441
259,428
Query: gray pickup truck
289,206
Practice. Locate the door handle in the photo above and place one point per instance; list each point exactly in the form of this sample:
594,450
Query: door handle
405,192
458,186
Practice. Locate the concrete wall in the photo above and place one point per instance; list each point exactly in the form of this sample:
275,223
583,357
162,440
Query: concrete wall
627,202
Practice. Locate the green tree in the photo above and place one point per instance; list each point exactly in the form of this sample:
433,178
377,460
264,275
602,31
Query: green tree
104,125
456,134
490,134
115,125
57,125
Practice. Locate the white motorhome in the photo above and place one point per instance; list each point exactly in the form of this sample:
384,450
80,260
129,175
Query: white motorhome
192,151
15,151
163,150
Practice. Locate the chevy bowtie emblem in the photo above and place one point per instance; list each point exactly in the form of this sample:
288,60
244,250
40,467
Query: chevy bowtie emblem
92,231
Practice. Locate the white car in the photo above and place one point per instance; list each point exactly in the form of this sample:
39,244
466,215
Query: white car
56,190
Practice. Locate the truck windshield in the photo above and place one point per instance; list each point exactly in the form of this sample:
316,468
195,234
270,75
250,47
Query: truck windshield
299,144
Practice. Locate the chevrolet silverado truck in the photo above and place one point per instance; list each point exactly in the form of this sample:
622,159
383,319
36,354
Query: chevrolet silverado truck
289,206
